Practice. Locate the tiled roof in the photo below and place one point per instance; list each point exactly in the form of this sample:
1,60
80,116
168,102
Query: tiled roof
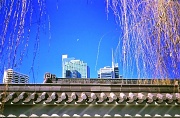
89,94
94,116
89,98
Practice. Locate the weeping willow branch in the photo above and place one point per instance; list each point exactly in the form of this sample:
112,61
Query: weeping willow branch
151,41
17,18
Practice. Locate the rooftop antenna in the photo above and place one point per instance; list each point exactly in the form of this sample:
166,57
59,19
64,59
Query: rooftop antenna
112,59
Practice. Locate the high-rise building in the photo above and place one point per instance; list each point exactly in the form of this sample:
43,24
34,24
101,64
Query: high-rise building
116,71
73,68
106,73
72,74
109,72
10,76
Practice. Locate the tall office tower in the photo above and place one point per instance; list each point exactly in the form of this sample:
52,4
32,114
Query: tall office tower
73,68
116,71
11,76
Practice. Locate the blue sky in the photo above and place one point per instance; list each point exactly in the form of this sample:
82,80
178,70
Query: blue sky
76,27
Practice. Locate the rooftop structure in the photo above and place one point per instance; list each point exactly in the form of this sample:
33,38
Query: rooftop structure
115,81
48,77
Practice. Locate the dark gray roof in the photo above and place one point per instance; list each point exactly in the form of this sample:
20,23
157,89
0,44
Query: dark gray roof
89,98
86,100
89,94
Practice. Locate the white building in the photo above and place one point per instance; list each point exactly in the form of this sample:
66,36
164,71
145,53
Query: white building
106,73
109,72
11,76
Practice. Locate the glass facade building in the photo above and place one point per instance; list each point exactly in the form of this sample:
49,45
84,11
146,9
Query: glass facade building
72,68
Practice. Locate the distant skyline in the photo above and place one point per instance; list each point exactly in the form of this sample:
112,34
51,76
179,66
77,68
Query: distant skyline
76,28
35,34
